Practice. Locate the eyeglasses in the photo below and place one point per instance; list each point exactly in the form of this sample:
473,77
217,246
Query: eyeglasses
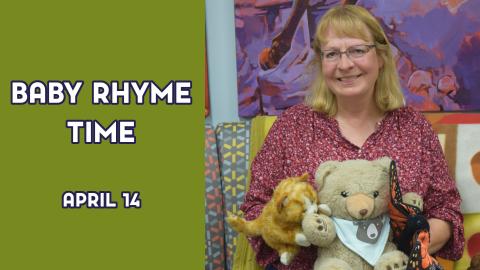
353,52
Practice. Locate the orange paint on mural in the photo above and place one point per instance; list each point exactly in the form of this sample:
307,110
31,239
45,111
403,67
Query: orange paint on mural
475,162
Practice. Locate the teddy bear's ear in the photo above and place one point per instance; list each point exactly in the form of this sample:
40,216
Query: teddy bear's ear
384,162
324,170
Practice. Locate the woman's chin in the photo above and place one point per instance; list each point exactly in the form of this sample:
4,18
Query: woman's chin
352,93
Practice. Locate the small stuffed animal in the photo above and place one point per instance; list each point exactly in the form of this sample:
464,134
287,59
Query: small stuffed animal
356,236
475,263
280,223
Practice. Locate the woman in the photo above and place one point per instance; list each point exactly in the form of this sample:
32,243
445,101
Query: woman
356,111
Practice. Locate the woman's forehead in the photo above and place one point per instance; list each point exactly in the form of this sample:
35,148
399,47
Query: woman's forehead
334,33
334,40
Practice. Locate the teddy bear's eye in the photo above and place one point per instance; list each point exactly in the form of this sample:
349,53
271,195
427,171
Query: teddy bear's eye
375,194
344,194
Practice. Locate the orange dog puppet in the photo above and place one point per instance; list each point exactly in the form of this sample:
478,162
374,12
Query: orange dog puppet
280,223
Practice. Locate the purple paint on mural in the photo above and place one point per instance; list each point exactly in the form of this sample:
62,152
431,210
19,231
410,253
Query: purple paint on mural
435,44
429,36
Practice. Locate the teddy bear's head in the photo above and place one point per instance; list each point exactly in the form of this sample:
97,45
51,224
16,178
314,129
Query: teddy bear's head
354,189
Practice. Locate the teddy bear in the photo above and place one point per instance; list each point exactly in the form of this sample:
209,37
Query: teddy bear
280,223
357,234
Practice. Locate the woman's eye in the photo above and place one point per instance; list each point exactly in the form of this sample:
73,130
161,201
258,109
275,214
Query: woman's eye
375,194
344,194
331,55
357,51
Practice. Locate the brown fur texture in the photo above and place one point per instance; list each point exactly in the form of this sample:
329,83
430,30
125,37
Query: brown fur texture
475,263
280,223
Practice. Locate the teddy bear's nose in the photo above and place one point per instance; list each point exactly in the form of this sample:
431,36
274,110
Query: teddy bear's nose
363,212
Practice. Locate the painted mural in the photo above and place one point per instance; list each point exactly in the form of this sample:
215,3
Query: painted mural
436,45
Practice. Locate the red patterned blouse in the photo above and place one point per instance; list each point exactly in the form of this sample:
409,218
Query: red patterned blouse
301,139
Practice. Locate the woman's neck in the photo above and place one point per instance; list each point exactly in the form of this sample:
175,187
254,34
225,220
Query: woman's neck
357,120
358,112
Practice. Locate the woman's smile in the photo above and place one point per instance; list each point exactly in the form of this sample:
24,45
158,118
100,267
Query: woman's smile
349,78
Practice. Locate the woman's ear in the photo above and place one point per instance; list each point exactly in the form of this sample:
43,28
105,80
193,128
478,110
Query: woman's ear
323,171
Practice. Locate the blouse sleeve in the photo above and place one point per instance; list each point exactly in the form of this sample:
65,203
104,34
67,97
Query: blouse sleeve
266,170
442,200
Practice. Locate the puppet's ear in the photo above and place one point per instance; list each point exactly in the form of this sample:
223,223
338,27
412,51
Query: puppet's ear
281,203
303,178
324,170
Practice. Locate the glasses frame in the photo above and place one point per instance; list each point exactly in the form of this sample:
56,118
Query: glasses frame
322,53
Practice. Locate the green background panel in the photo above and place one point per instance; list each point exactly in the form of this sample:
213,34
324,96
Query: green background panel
101,40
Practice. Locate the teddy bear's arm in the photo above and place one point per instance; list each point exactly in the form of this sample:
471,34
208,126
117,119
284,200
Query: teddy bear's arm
319,229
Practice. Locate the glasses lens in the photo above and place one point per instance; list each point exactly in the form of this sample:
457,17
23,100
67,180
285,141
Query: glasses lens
358,51
331,55
352,52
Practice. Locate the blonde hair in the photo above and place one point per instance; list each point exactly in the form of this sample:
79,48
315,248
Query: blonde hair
351,21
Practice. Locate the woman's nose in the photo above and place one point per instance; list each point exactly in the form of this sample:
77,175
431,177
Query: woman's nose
344,62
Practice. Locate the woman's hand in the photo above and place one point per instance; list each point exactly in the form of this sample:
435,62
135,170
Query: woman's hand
440,233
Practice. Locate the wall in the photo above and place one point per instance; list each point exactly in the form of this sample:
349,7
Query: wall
221,61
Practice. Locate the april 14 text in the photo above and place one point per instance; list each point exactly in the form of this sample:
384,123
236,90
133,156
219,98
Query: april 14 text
100,199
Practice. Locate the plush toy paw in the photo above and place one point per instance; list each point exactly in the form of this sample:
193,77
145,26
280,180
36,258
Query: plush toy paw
286,258
301,240
393,260
311,207
414,199
324,209
331,264
319,229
